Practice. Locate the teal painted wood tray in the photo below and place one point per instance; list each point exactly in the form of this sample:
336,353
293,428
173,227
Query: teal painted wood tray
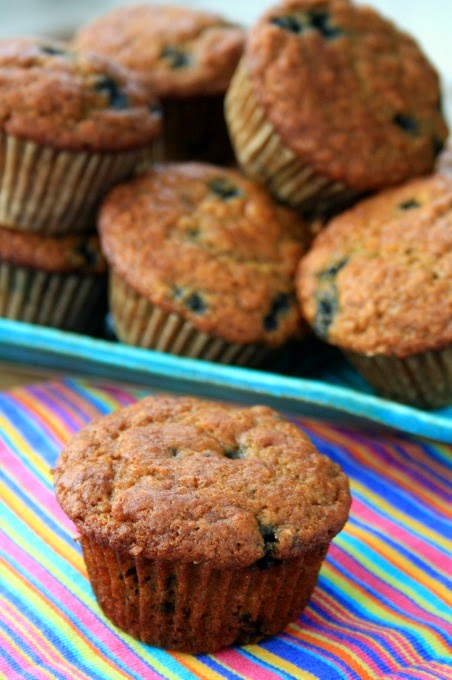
312,381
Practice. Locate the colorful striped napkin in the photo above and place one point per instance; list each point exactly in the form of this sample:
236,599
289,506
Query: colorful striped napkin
381,608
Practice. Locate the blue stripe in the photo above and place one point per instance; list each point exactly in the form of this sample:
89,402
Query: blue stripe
52,636
409,555
21,672
48,520
415,636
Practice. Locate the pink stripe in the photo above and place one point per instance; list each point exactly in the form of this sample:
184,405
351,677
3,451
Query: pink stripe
344,647
41,494
47,655
367,515
96,627
388,592
240,663
329,604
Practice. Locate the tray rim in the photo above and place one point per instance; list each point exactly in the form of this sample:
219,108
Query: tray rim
52,348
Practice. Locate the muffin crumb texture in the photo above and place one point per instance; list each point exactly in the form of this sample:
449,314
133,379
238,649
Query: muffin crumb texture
198,482
351,95
377,279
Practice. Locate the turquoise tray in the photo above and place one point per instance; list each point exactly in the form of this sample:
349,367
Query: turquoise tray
333,392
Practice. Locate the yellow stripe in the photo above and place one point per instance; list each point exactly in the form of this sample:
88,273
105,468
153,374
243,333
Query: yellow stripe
36,638
56,618
278,663
21,445
47,535
48,418
87,600
354,591
368,629
28,661
402,563
198,668
402,518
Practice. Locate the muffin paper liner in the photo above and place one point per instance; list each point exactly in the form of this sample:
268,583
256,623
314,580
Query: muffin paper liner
69,301
51,191
423,380
138,322
195,129
196,608
264,156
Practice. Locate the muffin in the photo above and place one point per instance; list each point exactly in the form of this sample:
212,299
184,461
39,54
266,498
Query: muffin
202,263
331,101
188,56
71,126
52,281
377,283
202,525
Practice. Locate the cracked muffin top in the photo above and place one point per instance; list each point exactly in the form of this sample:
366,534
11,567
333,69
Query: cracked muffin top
210,245
68,253
57,97
198,481
181,51
378,279
351,95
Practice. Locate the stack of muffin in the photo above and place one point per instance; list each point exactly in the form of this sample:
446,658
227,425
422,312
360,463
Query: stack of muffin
71,126
326,103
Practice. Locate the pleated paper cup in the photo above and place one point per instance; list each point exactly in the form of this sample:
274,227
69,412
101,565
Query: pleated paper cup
196,608
69,301
263,155
52,191
139,322
423,380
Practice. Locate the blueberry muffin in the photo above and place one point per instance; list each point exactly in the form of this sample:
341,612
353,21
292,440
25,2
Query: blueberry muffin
71,126
188,56
331,101
377,283
53,281
202,263
202,525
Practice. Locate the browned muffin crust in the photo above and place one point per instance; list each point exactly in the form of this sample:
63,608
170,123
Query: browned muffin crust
181,51
54,96
195,481
378,279
210,245
348,93
76,252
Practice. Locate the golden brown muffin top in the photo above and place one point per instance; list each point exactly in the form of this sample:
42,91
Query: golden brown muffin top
197,481
181,51
53,96
71,253
378,279
349,94
210,245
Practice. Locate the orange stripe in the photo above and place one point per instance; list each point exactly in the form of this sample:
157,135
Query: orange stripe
40,529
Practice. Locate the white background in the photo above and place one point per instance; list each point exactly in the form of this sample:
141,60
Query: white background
430,21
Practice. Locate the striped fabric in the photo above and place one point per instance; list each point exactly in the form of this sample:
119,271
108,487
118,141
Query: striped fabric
381,608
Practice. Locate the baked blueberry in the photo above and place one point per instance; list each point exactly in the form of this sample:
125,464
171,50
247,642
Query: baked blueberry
409,205
176,58
117,99
321,21
195,303
406,123
326,309
53,50
223,188
279,306
288,23
334,269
